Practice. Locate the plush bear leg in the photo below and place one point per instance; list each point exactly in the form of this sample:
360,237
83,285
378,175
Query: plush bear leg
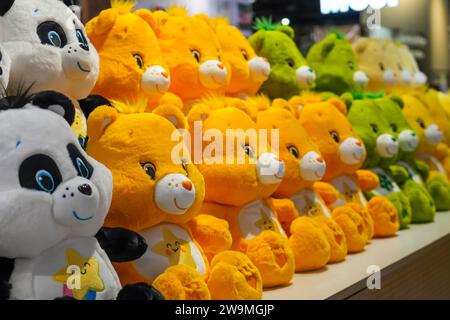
271,254
234,277
336,238
385,217
366,217
439,190
352,225
422,204
403,206
181,282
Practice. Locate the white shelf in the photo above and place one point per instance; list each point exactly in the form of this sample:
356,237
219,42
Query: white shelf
333,279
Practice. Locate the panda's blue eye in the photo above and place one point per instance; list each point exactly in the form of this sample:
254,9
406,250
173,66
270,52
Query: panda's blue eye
83,170
45,181
82,40
54,39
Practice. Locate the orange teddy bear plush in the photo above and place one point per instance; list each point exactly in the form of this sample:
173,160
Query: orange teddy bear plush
192,51
157,191
131,62
248,70
344,153
314,237
240,174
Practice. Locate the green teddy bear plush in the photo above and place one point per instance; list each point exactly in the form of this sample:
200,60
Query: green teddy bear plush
382,148
407,172
335,65
289,70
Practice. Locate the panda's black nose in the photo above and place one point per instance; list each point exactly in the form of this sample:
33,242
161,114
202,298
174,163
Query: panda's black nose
85,189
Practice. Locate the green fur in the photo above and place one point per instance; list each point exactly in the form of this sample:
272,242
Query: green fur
440,192
422,204
278,47
366,117
335,64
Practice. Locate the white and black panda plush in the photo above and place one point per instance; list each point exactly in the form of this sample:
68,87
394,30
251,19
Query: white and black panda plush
48,48
74,5
53,201
5,63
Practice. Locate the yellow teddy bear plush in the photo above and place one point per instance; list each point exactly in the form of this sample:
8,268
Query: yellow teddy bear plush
240,174
131,62
157,191
376,60
248,71
314,237
192,51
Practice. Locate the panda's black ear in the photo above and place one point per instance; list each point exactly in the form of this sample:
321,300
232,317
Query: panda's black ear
5,5
72,2
56,102
92,102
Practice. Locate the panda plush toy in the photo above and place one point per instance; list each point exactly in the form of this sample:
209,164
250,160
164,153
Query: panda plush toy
5,63
53,201
49,49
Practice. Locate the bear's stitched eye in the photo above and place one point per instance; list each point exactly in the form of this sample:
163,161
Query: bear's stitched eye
52,33
249,150
83,167
244,54
82,40
374,127
394,127
196,55
335,136
41,173
351,65
294,151
290,62
139,61
382,66
421,123
149,169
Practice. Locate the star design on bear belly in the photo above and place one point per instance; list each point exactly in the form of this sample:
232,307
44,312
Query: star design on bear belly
266,222
311,207
349,194
89,274
176,250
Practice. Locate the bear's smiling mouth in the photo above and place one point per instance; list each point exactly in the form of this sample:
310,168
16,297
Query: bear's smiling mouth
176,205
82,68
78,217
356,156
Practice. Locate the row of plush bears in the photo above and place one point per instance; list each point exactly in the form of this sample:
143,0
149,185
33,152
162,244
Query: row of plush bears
107,192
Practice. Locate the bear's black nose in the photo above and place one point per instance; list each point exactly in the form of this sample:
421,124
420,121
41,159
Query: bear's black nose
85,189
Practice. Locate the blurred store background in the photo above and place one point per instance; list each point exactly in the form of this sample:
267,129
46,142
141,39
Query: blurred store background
421,24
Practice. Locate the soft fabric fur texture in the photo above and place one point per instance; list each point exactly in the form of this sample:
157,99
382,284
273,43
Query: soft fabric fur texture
5,65
237,192
289,70
248,71
335,64
64,197
156,197
314,237
378,62
193,53
131,62
344,153
382,147
404,171
431,135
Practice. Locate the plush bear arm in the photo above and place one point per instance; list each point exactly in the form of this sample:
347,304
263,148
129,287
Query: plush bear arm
211,233
285,211
367,180
6,269
121,245
398,173
326,191
422,168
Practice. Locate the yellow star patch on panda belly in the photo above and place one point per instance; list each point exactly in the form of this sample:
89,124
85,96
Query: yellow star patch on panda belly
177,251
89,274
266,222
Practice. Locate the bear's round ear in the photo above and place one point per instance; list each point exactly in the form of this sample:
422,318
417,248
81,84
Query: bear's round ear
173,114
361,45
99,120
199,113
102,23
148,17
57,103
287,30
283,104
5,6
398,101
347,98
340,104
257,40
328,44
160,17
